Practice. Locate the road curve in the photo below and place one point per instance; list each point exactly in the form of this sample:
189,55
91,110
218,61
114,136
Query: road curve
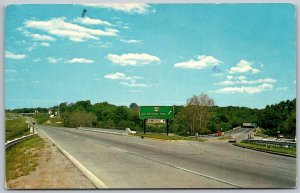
132,162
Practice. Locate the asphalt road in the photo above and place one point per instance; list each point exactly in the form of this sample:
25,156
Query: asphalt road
131,162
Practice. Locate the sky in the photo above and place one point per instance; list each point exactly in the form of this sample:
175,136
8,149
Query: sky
150,54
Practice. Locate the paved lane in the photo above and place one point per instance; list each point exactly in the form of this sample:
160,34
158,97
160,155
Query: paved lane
132,162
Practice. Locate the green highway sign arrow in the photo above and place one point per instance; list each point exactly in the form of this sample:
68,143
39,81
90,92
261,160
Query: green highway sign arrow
156,112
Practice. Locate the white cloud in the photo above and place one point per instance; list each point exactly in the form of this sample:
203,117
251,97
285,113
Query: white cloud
231,80
121,76
134,84
139,8
129,81
54,60
282,88
37,37
132,59
242,67
202,61
79,60
59,27
13,56
40,37
131,41
249,90
45,44
90,21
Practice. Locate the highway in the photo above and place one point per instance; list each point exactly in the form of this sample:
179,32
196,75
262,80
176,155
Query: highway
131,162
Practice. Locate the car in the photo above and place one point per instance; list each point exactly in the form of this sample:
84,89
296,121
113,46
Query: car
232,139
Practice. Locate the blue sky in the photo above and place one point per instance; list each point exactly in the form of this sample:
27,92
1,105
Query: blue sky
150,54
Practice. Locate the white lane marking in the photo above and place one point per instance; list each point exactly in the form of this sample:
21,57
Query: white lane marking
95,180
119,149
210,177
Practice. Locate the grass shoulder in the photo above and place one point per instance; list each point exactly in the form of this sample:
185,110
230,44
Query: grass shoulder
15,128
22,158
272,149
166,137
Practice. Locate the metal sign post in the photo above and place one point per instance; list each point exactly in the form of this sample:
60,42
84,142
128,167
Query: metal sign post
156,112
167,126
145,126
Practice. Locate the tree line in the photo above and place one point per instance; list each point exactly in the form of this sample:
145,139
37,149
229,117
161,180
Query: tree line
199,115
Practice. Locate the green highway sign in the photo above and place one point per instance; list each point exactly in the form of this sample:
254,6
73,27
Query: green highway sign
156,112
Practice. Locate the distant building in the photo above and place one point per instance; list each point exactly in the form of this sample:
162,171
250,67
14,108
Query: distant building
250,125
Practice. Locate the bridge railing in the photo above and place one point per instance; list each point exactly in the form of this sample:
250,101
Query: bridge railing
283,144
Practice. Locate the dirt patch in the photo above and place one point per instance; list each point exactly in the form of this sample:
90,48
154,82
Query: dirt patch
54,171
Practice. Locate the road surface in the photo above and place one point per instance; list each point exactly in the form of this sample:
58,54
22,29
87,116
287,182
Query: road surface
131,162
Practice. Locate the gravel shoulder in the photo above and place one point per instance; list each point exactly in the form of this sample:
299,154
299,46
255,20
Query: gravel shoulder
54,171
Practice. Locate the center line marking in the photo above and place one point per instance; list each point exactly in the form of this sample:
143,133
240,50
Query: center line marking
119,149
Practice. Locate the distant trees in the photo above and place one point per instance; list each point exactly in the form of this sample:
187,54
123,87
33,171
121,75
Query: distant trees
199,114
279,117
79,118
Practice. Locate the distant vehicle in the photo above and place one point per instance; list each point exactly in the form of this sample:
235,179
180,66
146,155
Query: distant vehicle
218,133
232,139
279,136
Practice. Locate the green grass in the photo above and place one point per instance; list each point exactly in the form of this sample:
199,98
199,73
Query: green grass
289,151
260,132
166,137
15,128
41,118
22,158
224,138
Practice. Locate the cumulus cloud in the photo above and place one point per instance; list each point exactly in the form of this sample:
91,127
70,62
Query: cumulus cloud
243,89
35,36
242,67
131,41
60,28
202,61
132,59
232,80
79,60
54,60
14,56
91,21
40,37
134,84
129,81
139,8
45,44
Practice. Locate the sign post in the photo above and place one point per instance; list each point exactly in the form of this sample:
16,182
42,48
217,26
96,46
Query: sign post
156,112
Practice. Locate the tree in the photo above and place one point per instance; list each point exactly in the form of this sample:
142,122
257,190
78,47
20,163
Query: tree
133,106
197,113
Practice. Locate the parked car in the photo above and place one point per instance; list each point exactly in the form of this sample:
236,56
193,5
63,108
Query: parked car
232,139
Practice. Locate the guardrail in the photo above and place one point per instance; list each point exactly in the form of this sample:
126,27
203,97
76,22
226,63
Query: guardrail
284,144
17,140
126,131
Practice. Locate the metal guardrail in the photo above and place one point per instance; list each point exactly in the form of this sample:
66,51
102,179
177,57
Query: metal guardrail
284,144
17,140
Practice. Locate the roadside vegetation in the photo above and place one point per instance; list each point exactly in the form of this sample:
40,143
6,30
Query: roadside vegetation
166,137
15,127
288,151
22,158
41,118
199,115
